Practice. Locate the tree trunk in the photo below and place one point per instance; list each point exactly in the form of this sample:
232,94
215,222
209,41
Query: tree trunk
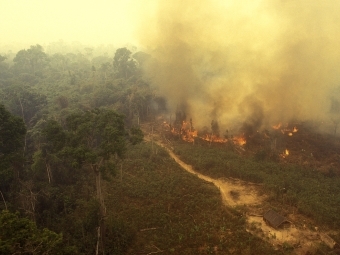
25,138
99,190
152,139
102,209
49,173
3,200
98,240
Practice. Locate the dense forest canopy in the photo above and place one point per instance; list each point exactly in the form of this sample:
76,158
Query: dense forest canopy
247,91
66,122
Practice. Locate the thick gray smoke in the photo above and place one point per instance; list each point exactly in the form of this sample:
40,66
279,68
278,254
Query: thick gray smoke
255,62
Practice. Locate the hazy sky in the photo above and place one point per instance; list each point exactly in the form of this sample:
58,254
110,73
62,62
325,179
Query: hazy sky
227,60
89,22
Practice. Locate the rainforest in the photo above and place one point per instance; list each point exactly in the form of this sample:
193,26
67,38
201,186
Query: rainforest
172,128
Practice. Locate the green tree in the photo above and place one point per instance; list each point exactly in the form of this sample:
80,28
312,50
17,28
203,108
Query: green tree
136,135
30,60
4,67
104,68
24,101
21,236
96,139
123,64
12,132
58,62
51,141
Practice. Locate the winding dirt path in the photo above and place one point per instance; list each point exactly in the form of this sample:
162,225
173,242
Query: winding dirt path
238,193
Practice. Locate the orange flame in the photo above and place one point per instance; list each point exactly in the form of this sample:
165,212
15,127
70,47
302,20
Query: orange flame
285,130
213,138
277,126
285,153
188,134
239,140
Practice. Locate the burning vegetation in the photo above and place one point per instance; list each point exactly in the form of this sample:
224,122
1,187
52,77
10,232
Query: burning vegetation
187,132
296,142
246,79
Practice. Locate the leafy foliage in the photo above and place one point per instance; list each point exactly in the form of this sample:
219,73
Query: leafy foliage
98,134
123,64
12,131
21,236
31,60
24,101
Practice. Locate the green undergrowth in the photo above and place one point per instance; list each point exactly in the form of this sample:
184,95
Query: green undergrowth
170,210
314,194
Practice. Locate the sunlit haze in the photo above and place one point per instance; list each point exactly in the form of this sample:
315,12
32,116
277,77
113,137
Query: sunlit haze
88,22
264,60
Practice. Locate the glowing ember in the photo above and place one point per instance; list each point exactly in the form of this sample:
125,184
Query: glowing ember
277,126
285,130
285,153
239,140
213,138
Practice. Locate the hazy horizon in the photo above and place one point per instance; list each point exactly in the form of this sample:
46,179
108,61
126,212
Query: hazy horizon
261,61
88,22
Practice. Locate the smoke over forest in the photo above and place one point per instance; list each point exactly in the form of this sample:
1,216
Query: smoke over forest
255,62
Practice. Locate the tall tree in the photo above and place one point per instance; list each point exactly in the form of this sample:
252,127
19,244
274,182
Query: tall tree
58,62
23,101
3,67
123,64
49,142
104,68
96,139
30,60
12,132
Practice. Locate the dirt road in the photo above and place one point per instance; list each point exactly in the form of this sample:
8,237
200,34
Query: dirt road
238,193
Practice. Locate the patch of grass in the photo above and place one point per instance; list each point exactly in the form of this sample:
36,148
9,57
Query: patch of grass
314,194
174,211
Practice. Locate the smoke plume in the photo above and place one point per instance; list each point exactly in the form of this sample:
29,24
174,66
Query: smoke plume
256,62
